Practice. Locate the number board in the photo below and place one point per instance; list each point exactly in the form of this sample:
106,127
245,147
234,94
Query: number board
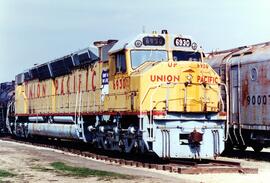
153,41
182,42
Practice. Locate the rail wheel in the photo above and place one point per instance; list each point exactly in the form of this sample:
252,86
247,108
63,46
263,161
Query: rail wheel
257,148
242,147
228,146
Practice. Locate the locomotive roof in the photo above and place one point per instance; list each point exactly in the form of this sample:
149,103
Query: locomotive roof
65,64
59,66
90,49
137,42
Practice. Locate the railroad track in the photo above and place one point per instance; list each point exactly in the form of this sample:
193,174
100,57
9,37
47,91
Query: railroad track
181,166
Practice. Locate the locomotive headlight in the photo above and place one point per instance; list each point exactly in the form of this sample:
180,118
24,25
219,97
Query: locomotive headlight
194,46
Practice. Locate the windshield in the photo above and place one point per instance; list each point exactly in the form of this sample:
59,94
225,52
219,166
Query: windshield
186,56
138,57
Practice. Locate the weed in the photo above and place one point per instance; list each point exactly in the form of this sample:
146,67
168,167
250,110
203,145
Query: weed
86,172
4,173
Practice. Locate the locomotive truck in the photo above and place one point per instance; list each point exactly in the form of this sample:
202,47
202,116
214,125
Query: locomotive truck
152,93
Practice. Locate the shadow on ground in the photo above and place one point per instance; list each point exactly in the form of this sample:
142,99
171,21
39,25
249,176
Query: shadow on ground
249,155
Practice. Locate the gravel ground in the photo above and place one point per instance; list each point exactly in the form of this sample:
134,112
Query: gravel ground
29,164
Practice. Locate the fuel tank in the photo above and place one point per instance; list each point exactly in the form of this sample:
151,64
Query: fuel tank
53,130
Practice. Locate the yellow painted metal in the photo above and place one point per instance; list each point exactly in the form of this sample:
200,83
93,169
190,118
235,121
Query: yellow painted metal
171,86
155,86
166,86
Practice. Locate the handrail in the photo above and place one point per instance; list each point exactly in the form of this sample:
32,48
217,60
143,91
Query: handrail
76,105
155,87
167,84
239,100
227,114
220,96
80,104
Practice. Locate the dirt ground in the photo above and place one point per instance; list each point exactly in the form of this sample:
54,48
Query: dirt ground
32,164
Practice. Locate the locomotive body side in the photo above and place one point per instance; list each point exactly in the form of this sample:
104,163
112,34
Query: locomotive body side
62,95
152,93
248,79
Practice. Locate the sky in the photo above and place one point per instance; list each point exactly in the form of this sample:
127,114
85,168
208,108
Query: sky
37,31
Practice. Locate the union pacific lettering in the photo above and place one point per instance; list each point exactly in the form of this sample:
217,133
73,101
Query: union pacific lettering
207,79
62,86
164,78
35,90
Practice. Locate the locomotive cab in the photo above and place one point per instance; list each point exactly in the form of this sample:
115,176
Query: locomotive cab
159,84
158,59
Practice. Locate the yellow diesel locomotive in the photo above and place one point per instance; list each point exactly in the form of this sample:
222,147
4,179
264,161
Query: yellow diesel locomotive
152,93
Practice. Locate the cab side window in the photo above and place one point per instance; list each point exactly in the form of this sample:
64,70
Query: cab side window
120,61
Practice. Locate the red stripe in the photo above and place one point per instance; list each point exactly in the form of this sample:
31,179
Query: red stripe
93,113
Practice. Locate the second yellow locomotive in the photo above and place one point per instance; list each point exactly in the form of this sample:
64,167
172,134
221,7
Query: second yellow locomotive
152,93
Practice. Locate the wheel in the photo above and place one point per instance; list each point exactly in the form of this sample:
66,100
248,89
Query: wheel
257,148
228,146
242,147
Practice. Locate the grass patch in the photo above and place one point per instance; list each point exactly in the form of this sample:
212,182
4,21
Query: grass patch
4,173
86,172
